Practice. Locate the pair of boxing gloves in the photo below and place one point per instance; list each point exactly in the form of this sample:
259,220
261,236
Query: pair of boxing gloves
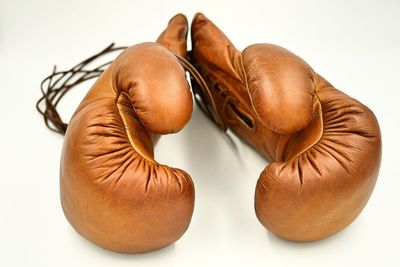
324,146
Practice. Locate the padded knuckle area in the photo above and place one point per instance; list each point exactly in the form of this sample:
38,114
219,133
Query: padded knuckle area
156,84
281,87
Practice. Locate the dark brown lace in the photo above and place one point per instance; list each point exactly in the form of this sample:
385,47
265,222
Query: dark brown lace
57,84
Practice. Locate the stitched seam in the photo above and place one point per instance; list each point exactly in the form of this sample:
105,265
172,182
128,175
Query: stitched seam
127,128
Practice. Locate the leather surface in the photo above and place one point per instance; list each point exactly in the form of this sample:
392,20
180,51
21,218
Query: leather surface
113,191
324,146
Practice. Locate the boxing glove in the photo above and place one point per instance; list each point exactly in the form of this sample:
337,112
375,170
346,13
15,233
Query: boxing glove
113,191
324,146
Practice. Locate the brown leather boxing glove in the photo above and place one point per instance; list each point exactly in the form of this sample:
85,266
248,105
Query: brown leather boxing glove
325,147
113,191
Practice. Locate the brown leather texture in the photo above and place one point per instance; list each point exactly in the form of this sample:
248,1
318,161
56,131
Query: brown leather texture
324,146
113,191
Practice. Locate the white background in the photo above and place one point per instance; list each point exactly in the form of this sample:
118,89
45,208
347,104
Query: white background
354,44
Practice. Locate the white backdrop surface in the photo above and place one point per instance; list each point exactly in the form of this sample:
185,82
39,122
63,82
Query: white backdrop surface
354,44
